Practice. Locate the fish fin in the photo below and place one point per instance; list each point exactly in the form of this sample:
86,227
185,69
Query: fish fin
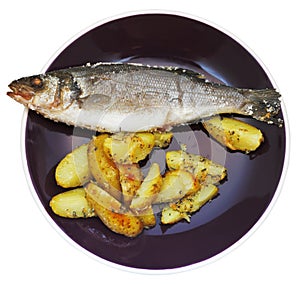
263,104
182,71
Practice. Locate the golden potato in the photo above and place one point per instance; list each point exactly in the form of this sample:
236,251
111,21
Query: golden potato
114,187
162,139
103,169
128,148
234,134
73,169
72,204
176,184
148,190
192,203
121,223
188,205
131,178
147,217
203,169
171,216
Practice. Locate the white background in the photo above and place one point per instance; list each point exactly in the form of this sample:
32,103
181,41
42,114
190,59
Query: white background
32,252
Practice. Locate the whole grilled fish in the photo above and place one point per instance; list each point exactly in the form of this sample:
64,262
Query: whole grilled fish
114,97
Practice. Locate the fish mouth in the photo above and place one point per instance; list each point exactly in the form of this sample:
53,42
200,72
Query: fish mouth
21,93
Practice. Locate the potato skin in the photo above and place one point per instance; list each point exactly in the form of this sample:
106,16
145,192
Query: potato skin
234,134
102,197
73,170
120,223
131,178
103,169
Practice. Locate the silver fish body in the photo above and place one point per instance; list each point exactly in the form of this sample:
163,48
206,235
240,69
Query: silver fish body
114,97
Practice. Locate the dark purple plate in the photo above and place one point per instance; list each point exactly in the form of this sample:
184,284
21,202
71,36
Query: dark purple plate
164,39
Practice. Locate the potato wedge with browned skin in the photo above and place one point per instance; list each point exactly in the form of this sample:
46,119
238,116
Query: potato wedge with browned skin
121,223
73,170
103,169
131,178
234,134
203,169
72,204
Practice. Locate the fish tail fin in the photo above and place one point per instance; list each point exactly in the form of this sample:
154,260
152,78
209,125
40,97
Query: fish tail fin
263,105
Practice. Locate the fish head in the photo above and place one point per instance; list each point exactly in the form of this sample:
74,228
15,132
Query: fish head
36,90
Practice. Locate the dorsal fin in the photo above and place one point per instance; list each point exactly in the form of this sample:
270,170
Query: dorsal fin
181,71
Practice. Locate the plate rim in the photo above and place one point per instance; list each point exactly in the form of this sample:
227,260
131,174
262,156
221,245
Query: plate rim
214,258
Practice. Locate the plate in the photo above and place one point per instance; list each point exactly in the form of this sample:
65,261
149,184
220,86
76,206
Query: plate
166,39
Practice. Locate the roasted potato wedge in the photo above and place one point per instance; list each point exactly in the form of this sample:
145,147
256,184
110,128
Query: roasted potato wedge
114,188
148,190
188,205
121,223
128,148
131,178
162,139
147,217
103,169
203,169
72,204
192,203
102,197
171,216
176,184
73,170
234,134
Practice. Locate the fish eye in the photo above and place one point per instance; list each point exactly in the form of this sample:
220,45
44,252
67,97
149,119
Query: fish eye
36,82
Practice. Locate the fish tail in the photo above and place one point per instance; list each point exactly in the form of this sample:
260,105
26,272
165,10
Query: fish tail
263,105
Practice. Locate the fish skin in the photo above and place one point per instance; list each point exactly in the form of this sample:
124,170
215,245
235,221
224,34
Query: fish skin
114,97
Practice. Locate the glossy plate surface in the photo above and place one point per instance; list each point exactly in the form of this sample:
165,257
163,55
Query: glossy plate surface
163,39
